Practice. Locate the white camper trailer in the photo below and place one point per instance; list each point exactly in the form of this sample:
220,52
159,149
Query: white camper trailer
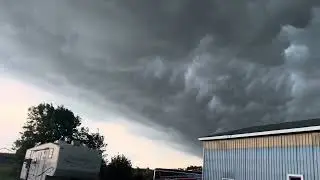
61,161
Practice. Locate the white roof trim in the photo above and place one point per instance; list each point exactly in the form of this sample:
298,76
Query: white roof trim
263,133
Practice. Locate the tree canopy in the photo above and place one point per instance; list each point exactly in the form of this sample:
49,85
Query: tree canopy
46,123
142,174
119,168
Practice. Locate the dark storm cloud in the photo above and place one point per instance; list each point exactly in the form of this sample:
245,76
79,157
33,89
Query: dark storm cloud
194,67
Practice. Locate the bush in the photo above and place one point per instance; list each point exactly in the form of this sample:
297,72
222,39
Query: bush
120,168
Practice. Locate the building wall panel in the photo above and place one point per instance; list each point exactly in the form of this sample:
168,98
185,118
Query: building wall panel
263,158
316,163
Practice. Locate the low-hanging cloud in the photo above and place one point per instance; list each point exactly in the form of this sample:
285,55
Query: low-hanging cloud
195,67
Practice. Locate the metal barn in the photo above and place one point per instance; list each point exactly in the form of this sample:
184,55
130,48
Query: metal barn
285,151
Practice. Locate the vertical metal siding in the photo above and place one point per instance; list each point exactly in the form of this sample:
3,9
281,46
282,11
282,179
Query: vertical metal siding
263,158
204,164
316,156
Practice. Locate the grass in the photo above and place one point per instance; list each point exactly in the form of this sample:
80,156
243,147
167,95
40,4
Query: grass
6,172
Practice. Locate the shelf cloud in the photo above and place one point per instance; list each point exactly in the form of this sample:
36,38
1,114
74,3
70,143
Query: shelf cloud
191,67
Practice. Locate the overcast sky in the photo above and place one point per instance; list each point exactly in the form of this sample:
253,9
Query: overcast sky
177,69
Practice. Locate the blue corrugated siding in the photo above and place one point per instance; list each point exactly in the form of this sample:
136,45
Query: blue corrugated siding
262,163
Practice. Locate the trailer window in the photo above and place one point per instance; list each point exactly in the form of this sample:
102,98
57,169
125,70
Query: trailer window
51,153
295,177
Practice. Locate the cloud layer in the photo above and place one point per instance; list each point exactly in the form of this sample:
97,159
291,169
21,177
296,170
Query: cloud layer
190,67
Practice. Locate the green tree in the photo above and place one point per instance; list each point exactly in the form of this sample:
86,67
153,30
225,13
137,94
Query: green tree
138,174
119,168
92,140
142,174
46,123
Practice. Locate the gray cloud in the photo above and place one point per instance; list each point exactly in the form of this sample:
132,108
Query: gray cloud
190,67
